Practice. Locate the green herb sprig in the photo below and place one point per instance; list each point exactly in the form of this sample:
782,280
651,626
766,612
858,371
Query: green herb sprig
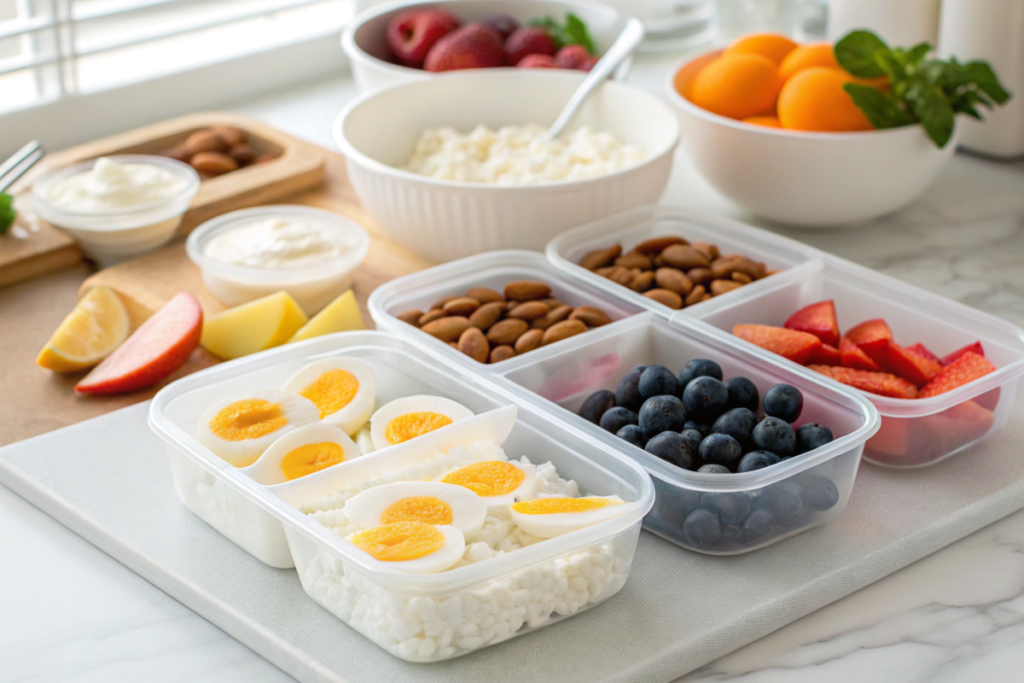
7,212
921,90
573,32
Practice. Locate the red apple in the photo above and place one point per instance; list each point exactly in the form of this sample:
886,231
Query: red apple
474,46
412,33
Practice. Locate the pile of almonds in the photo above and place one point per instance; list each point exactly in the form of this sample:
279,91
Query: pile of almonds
674,272
216,151
490,327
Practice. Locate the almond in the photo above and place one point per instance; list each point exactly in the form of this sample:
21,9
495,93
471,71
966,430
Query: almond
658,261
430,316
591,316
634,259
684,257
473,343
526,290
723,286
621,276
506,331
448,328
529,341
412,316
202,141
556,315
674,280
484,295
242,154
229,135
707,248
659,244
562,330
741,278
601,257
642,282
461,306
696,295
529,310
552,303
439,304
213,163
699,276
500,353
665,297
487,315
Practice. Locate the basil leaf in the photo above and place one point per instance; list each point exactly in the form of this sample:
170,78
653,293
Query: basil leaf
575,27
981,75
858,52
573,33
7,212
881,110
918,52
933,109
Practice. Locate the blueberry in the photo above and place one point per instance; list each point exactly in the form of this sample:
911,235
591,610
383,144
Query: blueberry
784,402
705,398
670,447
721,449
738,423
657,380
702,529
730,507
742,393
758,526
672,505
773,435
692,438
632,434
785,506
714,469
702,428
732,535
698,367
615,419
811,436
662,414
819,492
596,405
627,394
757,460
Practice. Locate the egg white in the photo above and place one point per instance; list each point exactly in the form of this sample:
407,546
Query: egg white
358,411
268,468
525,490
298,411
443,558
364,442
468,509
558,523
380,420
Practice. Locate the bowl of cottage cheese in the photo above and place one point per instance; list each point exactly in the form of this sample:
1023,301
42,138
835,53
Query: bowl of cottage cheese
456,165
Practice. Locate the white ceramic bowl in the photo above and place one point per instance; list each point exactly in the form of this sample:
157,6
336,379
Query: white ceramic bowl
364,39
808,179
445,220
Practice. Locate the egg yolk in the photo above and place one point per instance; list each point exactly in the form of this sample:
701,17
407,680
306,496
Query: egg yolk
311,458
552,506
411,425
332,391
486,479
248,419
426,509
400,541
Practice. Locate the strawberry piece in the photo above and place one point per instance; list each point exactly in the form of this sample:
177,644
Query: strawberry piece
923,351
852,357
160,346
918,441
970,348
873,337
963,370
910,366
827,355
818,319
881,383
796,346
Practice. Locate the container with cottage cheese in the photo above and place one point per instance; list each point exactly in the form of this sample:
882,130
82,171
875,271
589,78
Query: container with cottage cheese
310,253
117,207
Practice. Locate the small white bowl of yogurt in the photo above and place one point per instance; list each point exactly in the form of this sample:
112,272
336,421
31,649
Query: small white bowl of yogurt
310,253
117,207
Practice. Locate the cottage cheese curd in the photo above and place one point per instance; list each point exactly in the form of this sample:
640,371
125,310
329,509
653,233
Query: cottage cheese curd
112,185
517,155
277,242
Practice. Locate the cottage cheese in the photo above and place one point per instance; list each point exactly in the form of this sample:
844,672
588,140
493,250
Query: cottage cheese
517,155
112,185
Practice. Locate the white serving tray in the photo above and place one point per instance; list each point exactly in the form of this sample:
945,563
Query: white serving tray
108,480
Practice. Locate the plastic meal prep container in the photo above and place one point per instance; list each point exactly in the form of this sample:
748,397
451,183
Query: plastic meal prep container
418,617
566,374
914,432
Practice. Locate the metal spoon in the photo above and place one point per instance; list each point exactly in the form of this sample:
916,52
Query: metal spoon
625,45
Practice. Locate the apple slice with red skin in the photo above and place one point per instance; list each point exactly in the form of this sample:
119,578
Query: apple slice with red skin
818,319
160,346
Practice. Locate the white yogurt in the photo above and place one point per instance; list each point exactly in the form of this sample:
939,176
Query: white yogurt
277,242
110,185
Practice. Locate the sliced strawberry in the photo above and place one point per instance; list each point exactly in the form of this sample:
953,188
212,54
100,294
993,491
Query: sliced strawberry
873,337
827,355
909,365
852,357
881,383
796,346
970,348
818,319
964,369
918,441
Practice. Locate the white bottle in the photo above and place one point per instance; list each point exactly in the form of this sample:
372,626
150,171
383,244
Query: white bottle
902,23
992,30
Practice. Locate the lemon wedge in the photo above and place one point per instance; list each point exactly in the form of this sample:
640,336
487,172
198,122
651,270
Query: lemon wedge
97,325
341,315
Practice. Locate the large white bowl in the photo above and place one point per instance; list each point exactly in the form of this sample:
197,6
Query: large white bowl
801,178
445,220
364,39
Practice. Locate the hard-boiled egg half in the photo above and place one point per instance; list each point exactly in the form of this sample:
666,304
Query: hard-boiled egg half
414,547
557,515
412,416
303,451
417,501
496,482
343,389
239,428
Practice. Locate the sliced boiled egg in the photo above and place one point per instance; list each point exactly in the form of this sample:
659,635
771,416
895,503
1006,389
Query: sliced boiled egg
364,442
557,515
303,451
406,418
343,389
430,502
239,428
414,547
496,482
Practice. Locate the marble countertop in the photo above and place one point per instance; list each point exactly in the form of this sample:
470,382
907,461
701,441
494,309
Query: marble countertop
72,613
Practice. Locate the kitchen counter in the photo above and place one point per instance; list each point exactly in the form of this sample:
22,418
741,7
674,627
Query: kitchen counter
74,614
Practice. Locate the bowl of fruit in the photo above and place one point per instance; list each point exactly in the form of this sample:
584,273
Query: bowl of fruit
399,42
824,135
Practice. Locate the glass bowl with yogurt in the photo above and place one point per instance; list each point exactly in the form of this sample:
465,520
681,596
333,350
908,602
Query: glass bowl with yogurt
310,253
119,206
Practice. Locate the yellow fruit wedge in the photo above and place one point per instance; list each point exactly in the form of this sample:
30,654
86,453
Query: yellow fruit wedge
255,326
341,315
97,325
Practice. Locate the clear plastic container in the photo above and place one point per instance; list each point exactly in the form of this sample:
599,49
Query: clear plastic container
632,227
566,375
914,432
494,270
416,617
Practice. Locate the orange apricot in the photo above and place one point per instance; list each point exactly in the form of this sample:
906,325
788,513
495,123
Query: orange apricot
771,45
806,56
814,100
736,86
768,121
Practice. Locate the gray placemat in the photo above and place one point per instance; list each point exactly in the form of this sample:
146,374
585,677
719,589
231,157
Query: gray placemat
108,480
